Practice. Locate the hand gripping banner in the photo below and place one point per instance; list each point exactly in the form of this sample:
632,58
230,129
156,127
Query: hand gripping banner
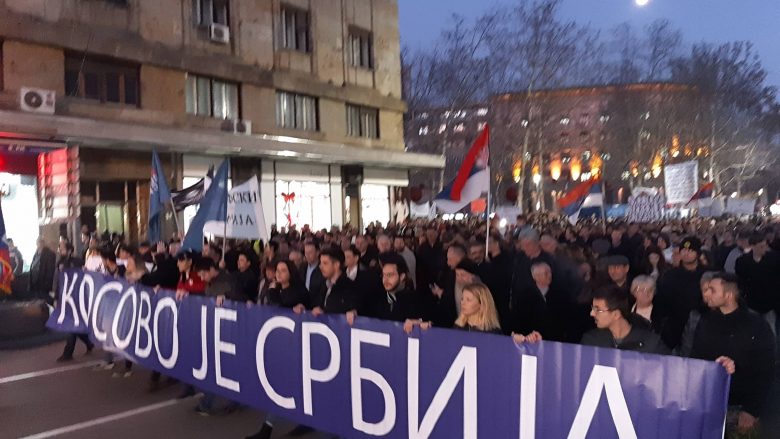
373,380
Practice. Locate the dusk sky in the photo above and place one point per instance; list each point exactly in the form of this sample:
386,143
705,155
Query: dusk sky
713,21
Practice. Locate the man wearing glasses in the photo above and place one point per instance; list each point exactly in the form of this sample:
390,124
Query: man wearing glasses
611,313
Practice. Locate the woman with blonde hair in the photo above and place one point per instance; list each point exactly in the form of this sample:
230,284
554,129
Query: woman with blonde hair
477,310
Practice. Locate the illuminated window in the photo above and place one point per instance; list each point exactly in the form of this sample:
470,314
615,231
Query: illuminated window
424,130
459,128
482,112
311,204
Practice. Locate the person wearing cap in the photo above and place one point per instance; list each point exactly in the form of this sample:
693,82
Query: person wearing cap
741,341
618,267
679,291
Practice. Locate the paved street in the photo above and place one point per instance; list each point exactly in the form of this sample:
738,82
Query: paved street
40,398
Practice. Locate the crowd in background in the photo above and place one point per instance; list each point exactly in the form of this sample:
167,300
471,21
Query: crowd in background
694,288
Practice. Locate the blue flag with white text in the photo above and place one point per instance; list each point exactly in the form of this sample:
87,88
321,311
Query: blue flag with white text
213,207
159,194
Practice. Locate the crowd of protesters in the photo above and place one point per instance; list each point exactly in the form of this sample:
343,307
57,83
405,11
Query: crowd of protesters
694,288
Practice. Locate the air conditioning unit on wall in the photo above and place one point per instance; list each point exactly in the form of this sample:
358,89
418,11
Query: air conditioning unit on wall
219,33
37,100
237,126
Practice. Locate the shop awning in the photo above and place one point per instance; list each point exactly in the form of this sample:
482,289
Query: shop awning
120,135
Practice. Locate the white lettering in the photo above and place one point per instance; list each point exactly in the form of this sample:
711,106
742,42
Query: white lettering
223,347
67,299
143,323
464,365
119,342
111,286
270,325
86,300
359,373
200,374
166,302
528,398
323,375
606,378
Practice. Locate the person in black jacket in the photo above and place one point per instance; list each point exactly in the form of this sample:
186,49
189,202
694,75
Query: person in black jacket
398,302
42,270
430,260
337,294
502,278
68,261
546,308
679,291
759,278
288,290
611,313
741,341
246,278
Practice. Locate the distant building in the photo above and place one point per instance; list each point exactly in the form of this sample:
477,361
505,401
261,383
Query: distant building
626,130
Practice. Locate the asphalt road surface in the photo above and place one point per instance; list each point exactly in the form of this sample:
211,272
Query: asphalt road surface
40,398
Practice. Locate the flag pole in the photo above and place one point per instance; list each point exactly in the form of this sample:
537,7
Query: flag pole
487,204
603,200
224,232
175,218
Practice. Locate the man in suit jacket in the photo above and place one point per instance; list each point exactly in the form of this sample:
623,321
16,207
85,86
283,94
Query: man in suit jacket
337,294
310,271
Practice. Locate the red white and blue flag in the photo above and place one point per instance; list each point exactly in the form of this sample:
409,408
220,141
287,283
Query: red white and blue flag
6,272
586,196
704,192
472,180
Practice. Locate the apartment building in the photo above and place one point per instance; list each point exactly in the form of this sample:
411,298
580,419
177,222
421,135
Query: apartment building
305,94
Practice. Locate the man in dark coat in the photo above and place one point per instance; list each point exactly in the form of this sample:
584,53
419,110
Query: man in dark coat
742,342
430,260
530,253
42,271
610,311
679,291
398,302
546,308
337,294
759,277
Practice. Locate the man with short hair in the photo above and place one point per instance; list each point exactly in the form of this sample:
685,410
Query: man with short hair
246,278
42,268
743,247
742,342
618,267
759,278
430,260
337,294
445,303
399,245
313,278
530,253
546,308
611,312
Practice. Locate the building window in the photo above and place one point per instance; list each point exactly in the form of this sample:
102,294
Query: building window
424,130
482,112
604,118
295,29
212,12
361,48
104,81
459,128
565,120
297,112
481,126
211,97
362,122
442,128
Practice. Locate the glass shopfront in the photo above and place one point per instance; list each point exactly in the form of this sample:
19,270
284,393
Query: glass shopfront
303,202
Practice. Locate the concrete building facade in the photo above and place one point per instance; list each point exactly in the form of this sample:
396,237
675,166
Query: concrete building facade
296,91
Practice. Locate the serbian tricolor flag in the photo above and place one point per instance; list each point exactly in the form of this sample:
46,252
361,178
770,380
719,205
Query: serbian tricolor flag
473,178
6,272
585,196
703,192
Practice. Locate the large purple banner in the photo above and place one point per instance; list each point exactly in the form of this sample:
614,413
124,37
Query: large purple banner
373,380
